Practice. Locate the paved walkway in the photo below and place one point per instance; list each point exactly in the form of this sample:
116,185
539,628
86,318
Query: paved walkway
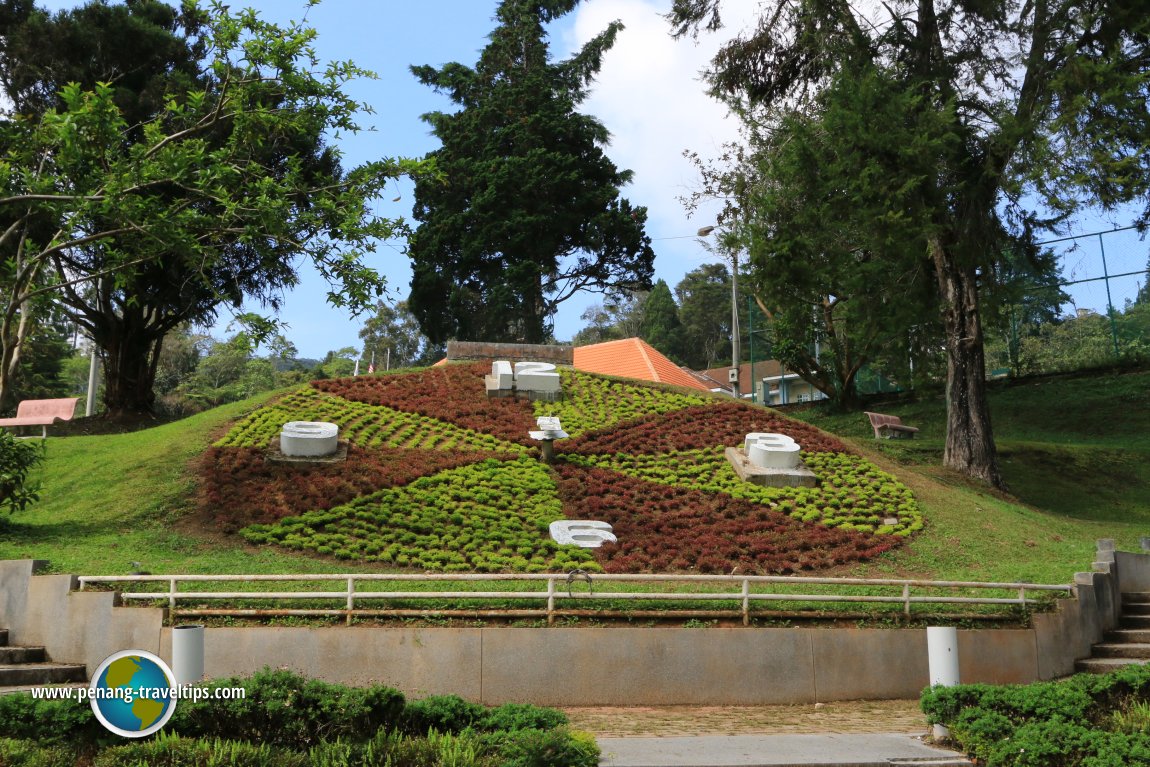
837,734
821,750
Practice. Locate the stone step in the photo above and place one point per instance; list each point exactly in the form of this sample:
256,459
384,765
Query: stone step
1105,665
12,655
3,637
1131,650
1128,636
1136,608
14,675
1134,621
1135,596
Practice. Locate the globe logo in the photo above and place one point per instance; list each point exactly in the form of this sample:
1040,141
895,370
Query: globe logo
132,693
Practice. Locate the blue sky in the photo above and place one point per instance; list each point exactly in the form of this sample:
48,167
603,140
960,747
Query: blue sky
647,94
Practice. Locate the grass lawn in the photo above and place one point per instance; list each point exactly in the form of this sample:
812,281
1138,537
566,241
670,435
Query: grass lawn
108,501
1074,451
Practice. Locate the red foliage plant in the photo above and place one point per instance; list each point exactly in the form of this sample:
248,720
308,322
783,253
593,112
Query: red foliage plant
668,529
453,393
239,487
699,427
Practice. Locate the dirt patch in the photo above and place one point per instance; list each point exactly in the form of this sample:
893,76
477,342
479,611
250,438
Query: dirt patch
882,716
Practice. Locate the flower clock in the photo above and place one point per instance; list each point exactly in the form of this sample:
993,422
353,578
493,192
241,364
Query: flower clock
440,477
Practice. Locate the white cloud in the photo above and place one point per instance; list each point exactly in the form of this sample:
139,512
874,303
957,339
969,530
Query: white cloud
651,96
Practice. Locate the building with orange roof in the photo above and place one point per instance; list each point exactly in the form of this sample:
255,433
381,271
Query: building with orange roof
633,358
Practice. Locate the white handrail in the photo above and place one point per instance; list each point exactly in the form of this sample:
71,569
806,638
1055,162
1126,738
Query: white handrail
557,586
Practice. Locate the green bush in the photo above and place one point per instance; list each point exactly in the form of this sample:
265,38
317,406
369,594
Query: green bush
522,716
442,713
17,458
66,722
287,709
544,748
26,753
1085,721
170,750
451,713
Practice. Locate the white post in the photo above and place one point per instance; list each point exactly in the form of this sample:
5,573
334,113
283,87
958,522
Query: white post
188,654
942,654
93,366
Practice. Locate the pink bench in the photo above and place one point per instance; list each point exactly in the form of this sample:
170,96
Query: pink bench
42,413
890,427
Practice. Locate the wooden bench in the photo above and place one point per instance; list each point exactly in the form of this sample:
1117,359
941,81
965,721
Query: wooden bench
890,427
42,413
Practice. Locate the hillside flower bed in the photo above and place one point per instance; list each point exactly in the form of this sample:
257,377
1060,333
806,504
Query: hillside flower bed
440,478
665,529
854,494
361,424
454,392
487,517
592,402
242,488
700,426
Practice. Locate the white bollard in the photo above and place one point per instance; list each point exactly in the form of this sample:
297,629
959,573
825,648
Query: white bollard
942,657
188,654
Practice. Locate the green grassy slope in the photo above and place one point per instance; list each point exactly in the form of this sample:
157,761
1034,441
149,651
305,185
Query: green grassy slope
108,501
1074,450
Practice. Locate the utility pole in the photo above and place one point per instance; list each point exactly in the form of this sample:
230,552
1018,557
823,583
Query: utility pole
735,351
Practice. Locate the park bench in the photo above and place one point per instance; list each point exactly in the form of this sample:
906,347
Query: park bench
890,427
42,413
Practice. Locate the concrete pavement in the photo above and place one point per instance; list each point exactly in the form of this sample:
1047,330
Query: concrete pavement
823,750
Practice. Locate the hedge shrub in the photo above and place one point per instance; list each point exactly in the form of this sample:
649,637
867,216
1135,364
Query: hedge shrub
1085,721
289,710
451,713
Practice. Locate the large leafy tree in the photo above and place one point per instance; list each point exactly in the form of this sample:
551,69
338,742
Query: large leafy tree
153,190
619,316
1020,109
705,314
392,337
528,212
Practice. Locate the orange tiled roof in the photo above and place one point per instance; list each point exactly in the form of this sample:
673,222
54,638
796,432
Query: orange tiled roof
632,358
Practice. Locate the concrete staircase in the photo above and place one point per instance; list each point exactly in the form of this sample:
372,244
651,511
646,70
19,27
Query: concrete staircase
1127,645
25,667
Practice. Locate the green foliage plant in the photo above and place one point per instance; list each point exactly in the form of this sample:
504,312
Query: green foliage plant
211,197
1096,720
945,156
49,722
529,213
17,460
291,711
593,402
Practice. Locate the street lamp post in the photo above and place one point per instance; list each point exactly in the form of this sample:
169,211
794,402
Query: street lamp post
735,351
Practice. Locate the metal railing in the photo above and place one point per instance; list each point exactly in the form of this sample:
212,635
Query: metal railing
567,588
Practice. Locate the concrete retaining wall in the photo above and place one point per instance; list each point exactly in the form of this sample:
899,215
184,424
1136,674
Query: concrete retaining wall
621,666
579,666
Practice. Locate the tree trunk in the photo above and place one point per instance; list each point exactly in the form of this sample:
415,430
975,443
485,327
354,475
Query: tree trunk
130,357
969,442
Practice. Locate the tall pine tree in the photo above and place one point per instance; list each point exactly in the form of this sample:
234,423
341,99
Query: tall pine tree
528,211
661,327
